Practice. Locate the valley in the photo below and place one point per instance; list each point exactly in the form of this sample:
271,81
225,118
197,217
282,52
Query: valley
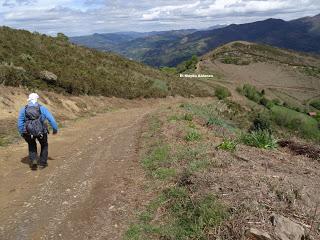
170,48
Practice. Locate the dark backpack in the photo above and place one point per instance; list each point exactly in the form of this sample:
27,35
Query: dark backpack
34,124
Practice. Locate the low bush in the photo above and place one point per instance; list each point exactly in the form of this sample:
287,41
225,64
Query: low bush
189,65
222,92
315,104
228,145
192,135
266,102
276,101
250,92
259,139
188,117
261,122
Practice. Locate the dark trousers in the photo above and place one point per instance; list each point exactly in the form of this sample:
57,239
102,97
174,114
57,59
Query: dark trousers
32,144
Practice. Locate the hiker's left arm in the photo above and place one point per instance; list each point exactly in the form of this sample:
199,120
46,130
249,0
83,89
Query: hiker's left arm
21,121
50,118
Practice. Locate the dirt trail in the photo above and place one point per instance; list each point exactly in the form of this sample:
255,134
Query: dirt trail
92,186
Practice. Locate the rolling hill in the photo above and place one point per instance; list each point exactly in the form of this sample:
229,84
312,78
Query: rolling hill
300,35
289,76
126,43
43,62
160,50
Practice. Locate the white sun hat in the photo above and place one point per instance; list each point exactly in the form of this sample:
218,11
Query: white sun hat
33,97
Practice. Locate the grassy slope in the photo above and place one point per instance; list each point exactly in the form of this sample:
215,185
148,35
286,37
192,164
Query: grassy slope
290,76
24,55
307,125
207,185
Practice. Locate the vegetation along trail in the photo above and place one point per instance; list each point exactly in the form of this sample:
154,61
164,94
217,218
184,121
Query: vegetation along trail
89,191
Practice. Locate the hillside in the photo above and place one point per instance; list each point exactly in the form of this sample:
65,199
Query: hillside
126,43
103,41
53,63
300,35
285,85
290,76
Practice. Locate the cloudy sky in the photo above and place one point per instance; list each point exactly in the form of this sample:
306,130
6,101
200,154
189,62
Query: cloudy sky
78,17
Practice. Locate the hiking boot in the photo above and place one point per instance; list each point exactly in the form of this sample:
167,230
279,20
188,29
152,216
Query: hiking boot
34,164
43,166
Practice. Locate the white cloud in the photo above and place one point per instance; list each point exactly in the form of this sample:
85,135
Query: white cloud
76,17
169,10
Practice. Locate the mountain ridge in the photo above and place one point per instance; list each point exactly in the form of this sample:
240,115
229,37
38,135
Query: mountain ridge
301,34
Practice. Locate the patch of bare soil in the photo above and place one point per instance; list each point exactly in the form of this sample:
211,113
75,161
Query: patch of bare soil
297,148
269,76
257,183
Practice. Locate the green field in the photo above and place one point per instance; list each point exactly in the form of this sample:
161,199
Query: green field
304,124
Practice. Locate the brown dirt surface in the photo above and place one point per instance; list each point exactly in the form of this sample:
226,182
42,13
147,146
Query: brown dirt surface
284,81
90,190
253,183
301,149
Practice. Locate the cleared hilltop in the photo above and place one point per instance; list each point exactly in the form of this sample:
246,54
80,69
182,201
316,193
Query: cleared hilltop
289,76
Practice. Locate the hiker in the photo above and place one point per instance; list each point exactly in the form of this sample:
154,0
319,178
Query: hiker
32,126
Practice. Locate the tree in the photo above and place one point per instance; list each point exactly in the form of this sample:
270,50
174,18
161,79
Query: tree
62,37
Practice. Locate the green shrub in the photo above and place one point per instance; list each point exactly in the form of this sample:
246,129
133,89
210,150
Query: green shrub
189,65
266,102
300,122
312,71
259,139
222,93
230,60
228,145
276,101
261,122
315,104
250,92
188,117
192,135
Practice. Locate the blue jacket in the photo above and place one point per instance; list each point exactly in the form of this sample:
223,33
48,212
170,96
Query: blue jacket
45,115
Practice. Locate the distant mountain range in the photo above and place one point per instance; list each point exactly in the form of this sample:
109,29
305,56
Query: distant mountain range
115,41
170,48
